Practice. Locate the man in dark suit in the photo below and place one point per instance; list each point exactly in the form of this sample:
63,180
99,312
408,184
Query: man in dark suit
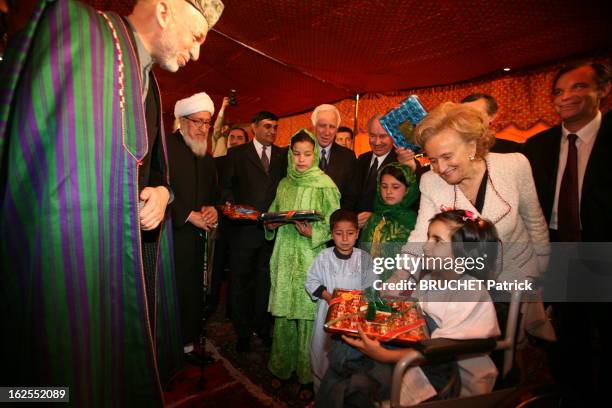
194,181
251,175
336,161
369,163
570,164
236,136
488,106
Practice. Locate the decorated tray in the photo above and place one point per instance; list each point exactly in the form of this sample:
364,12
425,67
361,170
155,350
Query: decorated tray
246,212
402,323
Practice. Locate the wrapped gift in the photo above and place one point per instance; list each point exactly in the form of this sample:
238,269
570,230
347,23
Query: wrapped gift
401,121
246,212
400,321
239,212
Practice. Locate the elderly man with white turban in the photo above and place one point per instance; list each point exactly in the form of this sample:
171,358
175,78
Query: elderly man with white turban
193,177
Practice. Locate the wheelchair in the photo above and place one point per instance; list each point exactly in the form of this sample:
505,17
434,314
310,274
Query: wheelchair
502,396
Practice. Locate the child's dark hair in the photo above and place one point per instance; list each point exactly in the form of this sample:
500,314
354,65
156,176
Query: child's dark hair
395,172
343,215
302,136
473,237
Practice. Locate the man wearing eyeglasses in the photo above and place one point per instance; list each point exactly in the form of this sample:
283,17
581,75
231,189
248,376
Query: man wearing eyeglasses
86,280
193,177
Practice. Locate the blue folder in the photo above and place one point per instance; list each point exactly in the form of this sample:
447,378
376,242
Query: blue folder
401,121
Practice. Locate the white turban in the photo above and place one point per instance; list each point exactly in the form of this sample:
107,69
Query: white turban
199,102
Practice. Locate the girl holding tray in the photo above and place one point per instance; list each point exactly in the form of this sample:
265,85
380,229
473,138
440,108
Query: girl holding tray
306,187
394,216
361,369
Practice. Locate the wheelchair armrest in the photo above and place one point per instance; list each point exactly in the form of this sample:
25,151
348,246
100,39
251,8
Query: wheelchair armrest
434,350
443,349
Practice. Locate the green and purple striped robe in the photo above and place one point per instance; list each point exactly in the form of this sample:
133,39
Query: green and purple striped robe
72,298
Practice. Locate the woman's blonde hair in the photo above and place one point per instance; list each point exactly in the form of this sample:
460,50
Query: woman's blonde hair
465,120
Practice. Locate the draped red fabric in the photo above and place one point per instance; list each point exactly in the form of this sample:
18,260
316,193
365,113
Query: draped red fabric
523,97
288,56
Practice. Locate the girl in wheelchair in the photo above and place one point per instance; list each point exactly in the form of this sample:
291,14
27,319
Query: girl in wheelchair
360,369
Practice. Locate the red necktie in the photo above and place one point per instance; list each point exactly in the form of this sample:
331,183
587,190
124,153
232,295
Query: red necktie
568,207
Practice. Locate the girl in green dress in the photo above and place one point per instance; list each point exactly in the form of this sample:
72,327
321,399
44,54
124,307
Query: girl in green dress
306,187
394,216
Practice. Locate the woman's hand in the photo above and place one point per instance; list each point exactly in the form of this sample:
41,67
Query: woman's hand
304,228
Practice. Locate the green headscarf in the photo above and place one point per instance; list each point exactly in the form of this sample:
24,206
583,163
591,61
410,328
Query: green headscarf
390,223
314,176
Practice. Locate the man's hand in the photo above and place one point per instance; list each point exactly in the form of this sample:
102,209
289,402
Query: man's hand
197,220
155,202
326,296
210,217
304,228
205,219
225,104
406,156
362,218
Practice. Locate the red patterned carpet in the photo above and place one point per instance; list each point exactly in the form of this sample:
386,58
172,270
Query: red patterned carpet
224,386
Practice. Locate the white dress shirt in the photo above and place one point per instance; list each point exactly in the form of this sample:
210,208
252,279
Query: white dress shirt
259,148
381,159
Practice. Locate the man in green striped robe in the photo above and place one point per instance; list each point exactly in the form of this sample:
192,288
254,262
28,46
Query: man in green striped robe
87,294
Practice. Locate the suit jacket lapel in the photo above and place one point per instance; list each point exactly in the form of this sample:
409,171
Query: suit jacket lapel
600,149
495,205
391,157
553,149
254,157
332,164
366,170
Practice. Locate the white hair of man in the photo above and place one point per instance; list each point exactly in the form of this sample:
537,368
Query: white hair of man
324,108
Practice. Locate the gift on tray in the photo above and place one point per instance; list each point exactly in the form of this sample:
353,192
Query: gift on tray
246,212
394,320
401,121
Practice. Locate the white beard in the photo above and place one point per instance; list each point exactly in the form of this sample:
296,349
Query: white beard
198,147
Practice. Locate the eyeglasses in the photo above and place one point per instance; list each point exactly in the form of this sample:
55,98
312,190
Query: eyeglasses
198,122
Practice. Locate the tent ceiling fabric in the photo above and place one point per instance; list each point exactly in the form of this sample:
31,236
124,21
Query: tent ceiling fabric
331,50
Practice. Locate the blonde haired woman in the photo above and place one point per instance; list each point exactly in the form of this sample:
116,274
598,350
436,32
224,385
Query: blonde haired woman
498,187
